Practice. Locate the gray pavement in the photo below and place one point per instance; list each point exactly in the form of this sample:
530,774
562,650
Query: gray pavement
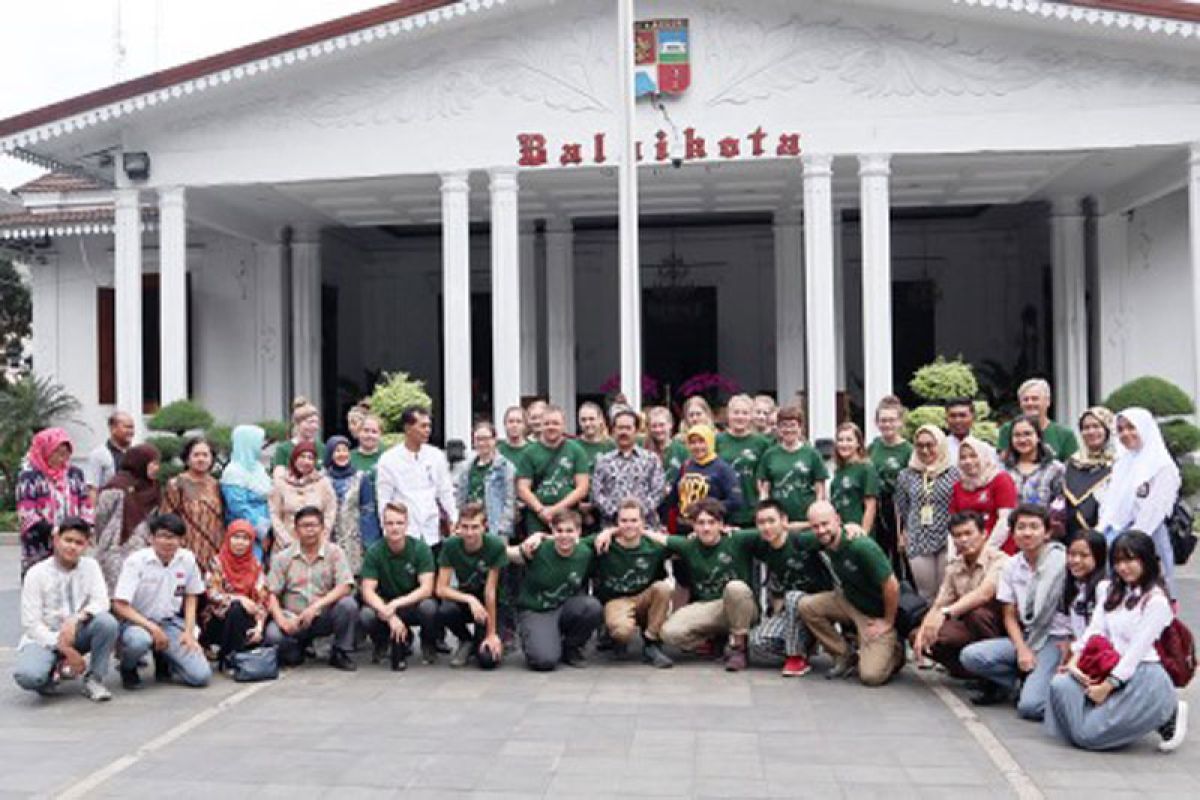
614,729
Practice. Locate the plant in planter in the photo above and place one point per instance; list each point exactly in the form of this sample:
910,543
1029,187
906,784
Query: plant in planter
175,422
26,407
396,393
943,380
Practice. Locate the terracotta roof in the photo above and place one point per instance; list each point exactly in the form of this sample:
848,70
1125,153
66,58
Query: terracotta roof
59,182
1168,9
28,225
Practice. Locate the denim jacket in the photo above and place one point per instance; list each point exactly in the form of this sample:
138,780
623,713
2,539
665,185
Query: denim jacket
499,493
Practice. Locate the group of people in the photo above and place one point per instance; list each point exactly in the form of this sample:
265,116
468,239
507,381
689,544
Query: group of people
730,541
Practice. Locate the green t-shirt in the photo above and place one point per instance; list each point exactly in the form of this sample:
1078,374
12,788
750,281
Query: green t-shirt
365,462
795,566
471,569
730,559
889,460
623,572
860,568
283,454
552,473
552,579
674,456
793,477
1059,439
851,486
594,450
397,573
744,454
477,481
509,451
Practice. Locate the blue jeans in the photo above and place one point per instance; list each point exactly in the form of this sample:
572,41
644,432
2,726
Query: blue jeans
189,666
996,660
97,636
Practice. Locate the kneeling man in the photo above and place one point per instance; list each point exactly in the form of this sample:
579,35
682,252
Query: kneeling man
472,560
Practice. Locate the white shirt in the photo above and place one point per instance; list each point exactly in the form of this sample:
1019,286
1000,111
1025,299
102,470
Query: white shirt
422,482
1132,632
52,595
1013,588
156,589
99,467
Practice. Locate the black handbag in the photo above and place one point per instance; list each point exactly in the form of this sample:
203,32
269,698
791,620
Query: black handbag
259,664
910,611
1180,531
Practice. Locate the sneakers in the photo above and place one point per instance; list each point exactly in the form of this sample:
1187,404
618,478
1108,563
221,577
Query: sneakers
94,690
735,659
429,653
795,666
573,657
991,694
1174,732
399,656
652,654
340,659
131,680
843,666
379,651
462,654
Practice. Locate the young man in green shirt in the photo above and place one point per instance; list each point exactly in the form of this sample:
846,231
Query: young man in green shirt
723,603
552,473
795,569
1034,396
867,596
791,472
630,579
397,591
467,580
742,448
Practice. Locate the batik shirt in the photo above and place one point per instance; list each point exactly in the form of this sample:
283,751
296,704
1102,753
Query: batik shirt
618,476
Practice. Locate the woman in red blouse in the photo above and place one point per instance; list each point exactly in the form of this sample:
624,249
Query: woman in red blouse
986,488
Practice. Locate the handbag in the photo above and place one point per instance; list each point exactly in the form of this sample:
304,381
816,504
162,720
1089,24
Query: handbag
910,610
1098,658
259,664
1180,532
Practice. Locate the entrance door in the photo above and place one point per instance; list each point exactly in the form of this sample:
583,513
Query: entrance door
914,342
679,333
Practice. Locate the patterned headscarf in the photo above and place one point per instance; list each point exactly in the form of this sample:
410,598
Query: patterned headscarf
1107,453
42,447
942,463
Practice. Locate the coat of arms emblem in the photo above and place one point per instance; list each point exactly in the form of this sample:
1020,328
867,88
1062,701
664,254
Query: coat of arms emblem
661,56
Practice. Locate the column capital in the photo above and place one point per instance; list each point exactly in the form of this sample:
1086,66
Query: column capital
790,217
560,225
817,164
306,233
1066,206
1194,155
456,181
872,165
503,178
126,197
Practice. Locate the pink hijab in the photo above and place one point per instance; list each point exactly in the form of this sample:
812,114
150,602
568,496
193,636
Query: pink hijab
40,449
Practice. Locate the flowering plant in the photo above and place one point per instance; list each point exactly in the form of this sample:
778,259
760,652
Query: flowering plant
709,384
612,385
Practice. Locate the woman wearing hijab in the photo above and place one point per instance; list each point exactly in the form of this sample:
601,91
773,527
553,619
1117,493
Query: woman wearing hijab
122,508
246,486
1144,487
195,497
48,491
235,611
923,492
985,488
1088,472
348,486
302,485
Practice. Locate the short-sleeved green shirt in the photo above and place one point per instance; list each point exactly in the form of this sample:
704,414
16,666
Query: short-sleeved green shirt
796,565
730,559
674,456
594,450
860,568
552,473
889,460
793,476
509,451
744,454
397,573
365,462
551,579
1059,439
283,454
471,569
623,572
851,486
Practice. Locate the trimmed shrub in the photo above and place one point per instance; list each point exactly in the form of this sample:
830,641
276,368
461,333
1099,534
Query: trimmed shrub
395,394
944,380
1160,397
180,417
169,446
276,430
1191,479
988,431
1180,436
924,415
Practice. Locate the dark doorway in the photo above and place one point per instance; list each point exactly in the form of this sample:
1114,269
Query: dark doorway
481,355
679,333
914,342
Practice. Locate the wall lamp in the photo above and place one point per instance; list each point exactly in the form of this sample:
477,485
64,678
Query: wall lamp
137,165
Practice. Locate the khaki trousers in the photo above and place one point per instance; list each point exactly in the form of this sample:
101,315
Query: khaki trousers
878,658
647,610
695,623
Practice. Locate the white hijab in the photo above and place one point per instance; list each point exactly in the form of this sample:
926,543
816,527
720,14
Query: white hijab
1133,468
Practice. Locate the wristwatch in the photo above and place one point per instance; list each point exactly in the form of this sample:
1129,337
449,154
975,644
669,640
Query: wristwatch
1115,682
946,613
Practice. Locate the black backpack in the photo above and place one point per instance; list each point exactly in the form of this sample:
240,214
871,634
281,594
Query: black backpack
1179,529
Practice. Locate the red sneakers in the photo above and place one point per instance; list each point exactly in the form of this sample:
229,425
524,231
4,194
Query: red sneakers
795,666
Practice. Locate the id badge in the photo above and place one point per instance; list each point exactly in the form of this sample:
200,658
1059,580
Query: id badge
926,515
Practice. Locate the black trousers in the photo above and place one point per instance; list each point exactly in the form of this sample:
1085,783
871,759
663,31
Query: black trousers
423,616
229,633
457,618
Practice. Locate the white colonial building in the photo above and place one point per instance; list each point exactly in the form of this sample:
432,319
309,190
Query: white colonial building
432,186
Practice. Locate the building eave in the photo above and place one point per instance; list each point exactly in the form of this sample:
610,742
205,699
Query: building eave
1169,18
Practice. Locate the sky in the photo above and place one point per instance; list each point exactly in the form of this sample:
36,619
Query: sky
87,52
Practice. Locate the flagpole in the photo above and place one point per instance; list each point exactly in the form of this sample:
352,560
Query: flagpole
629,271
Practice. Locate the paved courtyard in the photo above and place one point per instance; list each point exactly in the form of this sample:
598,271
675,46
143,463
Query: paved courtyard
619,730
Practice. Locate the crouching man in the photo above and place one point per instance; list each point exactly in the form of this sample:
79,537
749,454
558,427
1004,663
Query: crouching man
473,560
64,616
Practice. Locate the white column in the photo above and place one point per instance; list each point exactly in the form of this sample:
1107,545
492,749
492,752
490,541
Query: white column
839,300
127,282
172,288
530,340
456,307
1067,233
506,293
560,311
629,294
819,291
306,315
876,224
789,306
270,343
1194,234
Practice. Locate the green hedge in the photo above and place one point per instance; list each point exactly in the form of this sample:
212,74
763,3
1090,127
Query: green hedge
1160,397
944,380
1191,479
180,417
1180,436
169,447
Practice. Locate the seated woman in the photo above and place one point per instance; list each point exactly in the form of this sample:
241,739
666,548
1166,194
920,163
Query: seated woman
246,486
1088,472
235,611
1097,712
1087,563
986,489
